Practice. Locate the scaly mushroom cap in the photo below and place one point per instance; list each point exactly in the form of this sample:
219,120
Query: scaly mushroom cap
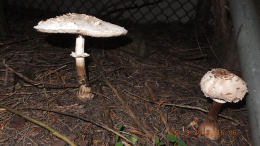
80,24
223,86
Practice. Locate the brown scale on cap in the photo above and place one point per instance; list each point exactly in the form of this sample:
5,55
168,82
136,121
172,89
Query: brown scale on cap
222,73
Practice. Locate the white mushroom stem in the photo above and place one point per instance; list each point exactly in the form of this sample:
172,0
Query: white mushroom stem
84,91
80,60
209,126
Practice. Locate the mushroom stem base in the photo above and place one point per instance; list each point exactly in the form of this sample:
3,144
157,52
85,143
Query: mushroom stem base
209,127
84,93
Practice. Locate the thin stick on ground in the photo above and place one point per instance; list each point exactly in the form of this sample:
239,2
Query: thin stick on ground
107,117
85,120
54,132
186,107
38,84
160,112
129,111
202,110
20,75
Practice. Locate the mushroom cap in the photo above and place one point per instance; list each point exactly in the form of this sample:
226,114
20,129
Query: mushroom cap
80,24
223,86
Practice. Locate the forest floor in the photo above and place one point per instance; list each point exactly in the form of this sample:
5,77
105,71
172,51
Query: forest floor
146,84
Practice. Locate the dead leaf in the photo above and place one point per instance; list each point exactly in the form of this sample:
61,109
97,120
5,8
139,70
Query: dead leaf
2,109
86,127
63,79
136,132
194,123
113,115
2,124
53,120
95,141
35,130
17,122
161,102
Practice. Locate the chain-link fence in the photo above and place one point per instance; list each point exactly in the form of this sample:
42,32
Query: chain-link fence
132,11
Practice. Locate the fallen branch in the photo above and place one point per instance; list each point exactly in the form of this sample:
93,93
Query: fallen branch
54,132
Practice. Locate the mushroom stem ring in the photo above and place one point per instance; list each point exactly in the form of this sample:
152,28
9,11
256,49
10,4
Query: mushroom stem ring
84,91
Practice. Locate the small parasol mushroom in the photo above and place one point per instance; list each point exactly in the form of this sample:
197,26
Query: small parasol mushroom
221,86
80,24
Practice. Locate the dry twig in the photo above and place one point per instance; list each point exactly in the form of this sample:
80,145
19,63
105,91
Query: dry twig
202,110
186,107
54,132
130,112
107,117
38,84
85,120
159,111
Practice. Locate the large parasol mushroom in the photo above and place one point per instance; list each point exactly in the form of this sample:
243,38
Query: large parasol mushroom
221,86
80,24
